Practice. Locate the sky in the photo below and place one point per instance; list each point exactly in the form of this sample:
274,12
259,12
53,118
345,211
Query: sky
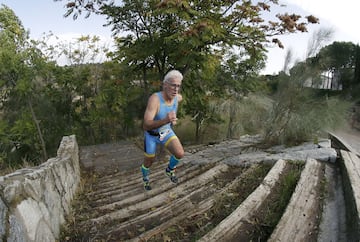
340,17
43,16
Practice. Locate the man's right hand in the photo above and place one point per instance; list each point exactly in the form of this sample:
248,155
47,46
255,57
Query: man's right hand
172,117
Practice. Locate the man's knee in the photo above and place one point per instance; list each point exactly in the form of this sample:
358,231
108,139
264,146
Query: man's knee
148,161
179,154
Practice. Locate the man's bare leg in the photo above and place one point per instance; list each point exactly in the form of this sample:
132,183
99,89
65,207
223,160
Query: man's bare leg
177,151
145,170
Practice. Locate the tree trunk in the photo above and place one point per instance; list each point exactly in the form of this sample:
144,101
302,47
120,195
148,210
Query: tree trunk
197,132
357,66
232,113
33,115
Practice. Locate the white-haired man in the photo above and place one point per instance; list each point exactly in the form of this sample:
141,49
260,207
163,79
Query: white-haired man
159,117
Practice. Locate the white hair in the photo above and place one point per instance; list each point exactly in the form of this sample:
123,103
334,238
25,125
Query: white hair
173,74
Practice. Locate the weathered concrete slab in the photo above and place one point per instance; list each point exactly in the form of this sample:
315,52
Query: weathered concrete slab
227,229
297,223
111,157
352,189
352,164
346,141
238,152
333,218
294,154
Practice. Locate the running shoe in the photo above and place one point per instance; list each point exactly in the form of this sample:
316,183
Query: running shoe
147,186
171,175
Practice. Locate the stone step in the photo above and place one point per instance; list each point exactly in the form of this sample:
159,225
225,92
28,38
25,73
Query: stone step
229,227
186,199
153,199
352,165
119,190
298,223
161,183
156,216
126,175
211,198
197,209
351,173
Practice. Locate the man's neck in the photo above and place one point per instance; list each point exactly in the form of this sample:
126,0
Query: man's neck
167,99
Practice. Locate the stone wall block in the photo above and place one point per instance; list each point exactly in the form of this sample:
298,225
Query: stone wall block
34,201
17,231
3,215
31,210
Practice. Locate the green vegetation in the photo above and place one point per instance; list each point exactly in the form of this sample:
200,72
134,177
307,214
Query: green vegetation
275,207
300,113
218,45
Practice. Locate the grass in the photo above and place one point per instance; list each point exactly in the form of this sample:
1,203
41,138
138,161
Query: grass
272,211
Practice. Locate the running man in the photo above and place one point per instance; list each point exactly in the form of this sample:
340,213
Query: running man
159,117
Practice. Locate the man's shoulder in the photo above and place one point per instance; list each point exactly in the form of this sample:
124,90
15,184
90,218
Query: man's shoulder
155,94
179,97
154,97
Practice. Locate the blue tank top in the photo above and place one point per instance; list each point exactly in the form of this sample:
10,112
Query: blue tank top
164,109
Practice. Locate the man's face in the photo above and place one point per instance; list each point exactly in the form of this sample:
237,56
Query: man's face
172,87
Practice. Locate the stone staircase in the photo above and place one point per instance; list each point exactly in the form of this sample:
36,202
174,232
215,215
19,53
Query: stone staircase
230,191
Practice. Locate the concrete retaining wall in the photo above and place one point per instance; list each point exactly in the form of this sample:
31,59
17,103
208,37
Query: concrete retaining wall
34,201
350,166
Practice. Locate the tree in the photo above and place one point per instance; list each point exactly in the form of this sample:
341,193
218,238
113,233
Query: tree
21,63
356,82
186,35
101,101
318,40
83,55
339,58
175,33
300,111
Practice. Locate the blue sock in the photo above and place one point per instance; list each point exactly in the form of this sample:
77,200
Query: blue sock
173,162
145,172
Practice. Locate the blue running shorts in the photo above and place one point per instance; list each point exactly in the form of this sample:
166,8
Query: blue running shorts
150,141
